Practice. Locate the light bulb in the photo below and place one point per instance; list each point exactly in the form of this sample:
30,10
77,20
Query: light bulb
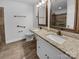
59,7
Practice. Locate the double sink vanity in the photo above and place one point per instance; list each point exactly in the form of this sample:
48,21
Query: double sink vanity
53,46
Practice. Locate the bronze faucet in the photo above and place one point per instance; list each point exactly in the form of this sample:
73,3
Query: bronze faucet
59,33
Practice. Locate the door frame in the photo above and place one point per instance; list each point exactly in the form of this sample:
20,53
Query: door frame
3,15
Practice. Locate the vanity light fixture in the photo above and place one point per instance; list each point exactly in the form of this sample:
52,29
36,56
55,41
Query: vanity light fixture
41,3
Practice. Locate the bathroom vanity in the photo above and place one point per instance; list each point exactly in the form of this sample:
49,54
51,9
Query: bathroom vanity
47,51
50,49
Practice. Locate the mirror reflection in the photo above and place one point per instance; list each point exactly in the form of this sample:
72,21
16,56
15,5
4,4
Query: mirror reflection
62,14
42,13
59,13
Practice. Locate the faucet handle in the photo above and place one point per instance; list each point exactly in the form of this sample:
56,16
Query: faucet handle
59,33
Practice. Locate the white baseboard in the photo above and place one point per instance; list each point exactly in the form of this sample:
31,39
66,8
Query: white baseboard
17,39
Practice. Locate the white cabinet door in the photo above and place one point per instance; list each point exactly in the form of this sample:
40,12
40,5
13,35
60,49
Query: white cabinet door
45,51
52,52
40,49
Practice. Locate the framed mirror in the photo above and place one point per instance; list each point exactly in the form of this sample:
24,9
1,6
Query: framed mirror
42,13
63,14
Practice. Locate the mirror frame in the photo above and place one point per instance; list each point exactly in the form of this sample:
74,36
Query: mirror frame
46,16
75,22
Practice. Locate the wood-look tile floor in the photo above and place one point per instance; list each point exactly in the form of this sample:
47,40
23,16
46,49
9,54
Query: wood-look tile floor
19,50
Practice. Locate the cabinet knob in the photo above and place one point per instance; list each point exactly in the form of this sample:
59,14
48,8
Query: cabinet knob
45,54
47,57
38,46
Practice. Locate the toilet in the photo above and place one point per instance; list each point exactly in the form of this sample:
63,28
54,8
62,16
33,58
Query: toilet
29,36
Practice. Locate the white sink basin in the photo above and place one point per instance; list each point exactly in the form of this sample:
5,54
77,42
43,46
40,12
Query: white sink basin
36,30
58,39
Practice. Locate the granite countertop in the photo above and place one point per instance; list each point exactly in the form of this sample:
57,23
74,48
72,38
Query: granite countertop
70,46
